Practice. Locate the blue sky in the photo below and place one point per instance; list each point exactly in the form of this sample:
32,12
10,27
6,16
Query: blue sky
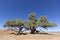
19,9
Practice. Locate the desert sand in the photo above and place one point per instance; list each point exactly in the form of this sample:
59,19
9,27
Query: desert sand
7,35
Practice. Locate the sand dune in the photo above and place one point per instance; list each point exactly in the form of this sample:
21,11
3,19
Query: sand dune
6,35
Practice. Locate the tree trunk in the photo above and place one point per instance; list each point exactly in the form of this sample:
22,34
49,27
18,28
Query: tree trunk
33,30
19,31
37,31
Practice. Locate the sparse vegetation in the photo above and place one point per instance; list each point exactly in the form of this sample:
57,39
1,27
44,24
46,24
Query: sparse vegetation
32,23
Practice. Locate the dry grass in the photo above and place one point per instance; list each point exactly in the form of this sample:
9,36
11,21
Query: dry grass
9,35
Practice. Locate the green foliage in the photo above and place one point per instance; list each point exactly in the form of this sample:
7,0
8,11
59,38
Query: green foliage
7,23
32,22
32,16
43,22
19,23
13,23
52,25
27,23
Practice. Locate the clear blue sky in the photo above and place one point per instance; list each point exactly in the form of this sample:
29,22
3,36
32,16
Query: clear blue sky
14,9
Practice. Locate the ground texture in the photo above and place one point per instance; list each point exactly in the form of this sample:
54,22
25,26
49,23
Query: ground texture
9,35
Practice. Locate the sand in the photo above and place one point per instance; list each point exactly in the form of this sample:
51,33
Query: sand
7,35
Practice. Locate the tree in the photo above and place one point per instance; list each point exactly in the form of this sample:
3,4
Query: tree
33,21
19,23
8,24
43,22
14,23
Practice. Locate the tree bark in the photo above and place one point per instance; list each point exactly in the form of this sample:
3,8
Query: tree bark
33,30
19,31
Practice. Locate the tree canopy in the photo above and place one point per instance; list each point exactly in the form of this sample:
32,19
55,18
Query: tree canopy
45,23
32,22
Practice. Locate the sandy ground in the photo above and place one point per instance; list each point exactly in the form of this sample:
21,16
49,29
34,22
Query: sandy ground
6,35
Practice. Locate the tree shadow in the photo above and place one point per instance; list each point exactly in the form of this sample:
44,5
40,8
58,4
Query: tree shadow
43,33
30,33
13,33
46,33
18,34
